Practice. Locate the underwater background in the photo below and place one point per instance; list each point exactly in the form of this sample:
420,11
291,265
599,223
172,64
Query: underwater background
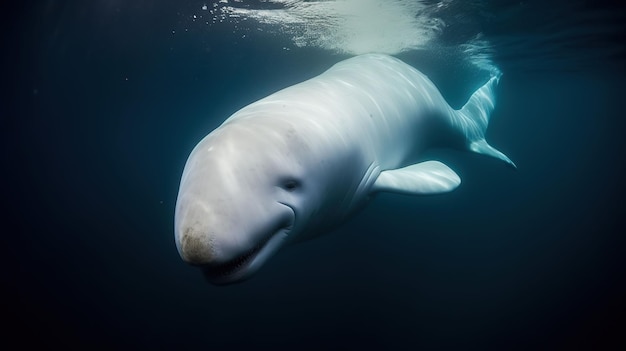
104,100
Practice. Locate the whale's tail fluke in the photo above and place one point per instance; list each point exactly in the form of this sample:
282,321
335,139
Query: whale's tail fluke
473,119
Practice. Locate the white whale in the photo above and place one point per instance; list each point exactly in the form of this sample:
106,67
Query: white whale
299,162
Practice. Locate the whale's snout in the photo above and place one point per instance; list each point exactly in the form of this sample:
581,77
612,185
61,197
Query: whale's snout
194,247
229,241
193,227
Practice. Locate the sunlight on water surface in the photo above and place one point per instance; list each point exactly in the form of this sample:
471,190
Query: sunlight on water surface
343,26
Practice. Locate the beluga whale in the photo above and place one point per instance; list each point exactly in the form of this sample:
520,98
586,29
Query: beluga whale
299,162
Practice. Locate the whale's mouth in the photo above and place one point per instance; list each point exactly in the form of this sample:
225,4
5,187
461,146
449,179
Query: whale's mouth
243,266
231,267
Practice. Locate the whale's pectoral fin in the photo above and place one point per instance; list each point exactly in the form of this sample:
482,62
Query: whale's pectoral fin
425,178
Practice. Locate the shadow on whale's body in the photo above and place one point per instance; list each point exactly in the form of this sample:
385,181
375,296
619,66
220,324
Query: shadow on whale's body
299,162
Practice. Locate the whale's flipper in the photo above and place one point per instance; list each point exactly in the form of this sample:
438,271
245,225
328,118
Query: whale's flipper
425,178
473,119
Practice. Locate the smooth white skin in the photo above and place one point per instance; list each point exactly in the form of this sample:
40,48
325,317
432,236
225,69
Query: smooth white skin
299,162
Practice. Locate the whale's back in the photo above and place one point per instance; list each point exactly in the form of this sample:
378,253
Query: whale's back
374,102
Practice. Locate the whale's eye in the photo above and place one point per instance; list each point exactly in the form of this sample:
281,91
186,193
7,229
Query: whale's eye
291,184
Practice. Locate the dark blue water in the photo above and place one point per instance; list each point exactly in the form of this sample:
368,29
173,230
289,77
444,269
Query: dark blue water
102,105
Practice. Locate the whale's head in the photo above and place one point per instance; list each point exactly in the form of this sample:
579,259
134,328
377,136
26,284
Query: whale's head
241,198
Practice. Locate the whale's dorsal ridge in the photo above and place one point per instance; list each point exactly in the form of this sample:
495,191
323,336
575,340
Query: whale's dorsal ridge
425,178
